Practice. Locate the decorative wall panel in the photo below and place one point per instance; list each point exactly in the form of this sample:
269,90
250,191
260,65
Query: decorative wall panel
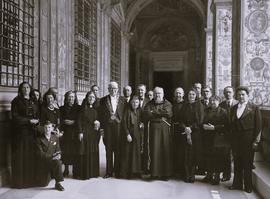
209,58
223,47
255,57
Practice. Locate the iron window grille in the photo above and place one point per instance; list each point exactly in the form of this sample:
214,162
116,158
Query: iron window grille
115,52
16,42
85,68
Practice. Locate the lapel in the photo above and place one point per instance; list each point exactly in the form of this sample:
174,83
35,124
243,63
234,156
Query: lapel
108,103
247,110
45,143
234,110
234,102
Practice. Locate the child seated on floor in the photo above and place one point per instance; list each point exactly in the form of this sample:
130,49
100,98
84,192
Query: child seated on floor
49,157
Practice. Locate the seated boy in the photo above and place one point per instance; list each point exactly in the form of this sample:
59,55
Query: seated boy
49,157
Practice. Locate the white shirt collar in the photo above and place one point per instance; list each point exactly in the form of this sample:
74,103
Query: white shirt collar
242,104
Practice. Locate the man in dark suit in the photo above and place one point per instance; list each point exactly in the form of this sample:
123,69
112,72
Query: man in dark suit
141,90
127,92
246,125
110,114
227,105
49,157
206,93
178,138
198,88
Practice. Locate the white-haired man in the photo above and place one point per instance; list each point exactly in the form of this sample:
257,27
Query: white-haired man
127,91
159,112
110,114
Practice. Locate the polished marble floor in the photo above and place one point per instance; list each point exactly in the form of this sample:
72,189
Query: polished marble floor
100,188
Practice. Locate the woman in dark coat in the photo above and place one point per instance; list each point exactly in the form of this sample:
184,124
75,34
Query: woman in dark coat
89,138
24,119
192,118
68,142
50,113
214,141
131,140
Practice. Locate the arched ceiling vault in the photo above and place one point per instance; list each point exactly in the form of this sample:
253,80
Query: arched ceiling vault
138,5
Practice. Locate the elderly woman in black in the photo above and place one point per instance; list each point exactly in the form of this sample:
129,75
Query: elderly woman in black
24,119
89,138
191,120
214,141
69,113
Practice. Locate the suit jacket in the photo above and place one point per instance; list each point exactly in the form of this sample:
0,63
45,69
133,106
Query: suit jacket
228,109
145,101
105,110
204,103
47,148
248,126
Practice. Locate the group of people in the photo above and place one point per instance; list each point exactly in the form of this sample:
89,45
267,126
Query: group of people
144,135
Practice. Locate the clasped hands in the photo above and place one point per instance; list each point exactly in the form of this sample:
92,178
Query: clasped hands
69,122
188,132
34,121
208,127
56,156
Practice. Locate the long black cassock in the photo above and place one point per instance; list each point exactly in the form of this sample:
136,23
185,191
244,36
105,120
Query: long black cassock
89,160
131,152
178,139
159,115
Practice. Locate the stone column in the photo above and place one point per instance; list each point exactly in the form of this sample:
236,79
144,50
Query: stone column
138,66
104,47
209,57
56,46
255,50
222,46
124,58
209,47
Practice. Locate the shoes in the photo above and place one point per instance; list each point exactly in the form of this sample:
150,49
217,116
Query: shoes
248,190
215,182
107,176
190,179
235,188
65,173
163,178
207,179
224,179
59,187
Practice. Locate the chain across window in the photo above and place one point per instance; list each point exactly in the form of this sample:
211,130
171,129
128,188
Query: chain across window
16,42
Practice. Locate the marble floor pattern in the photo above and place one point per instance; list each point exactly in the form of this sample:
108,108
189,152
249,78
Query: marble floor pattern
111,188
